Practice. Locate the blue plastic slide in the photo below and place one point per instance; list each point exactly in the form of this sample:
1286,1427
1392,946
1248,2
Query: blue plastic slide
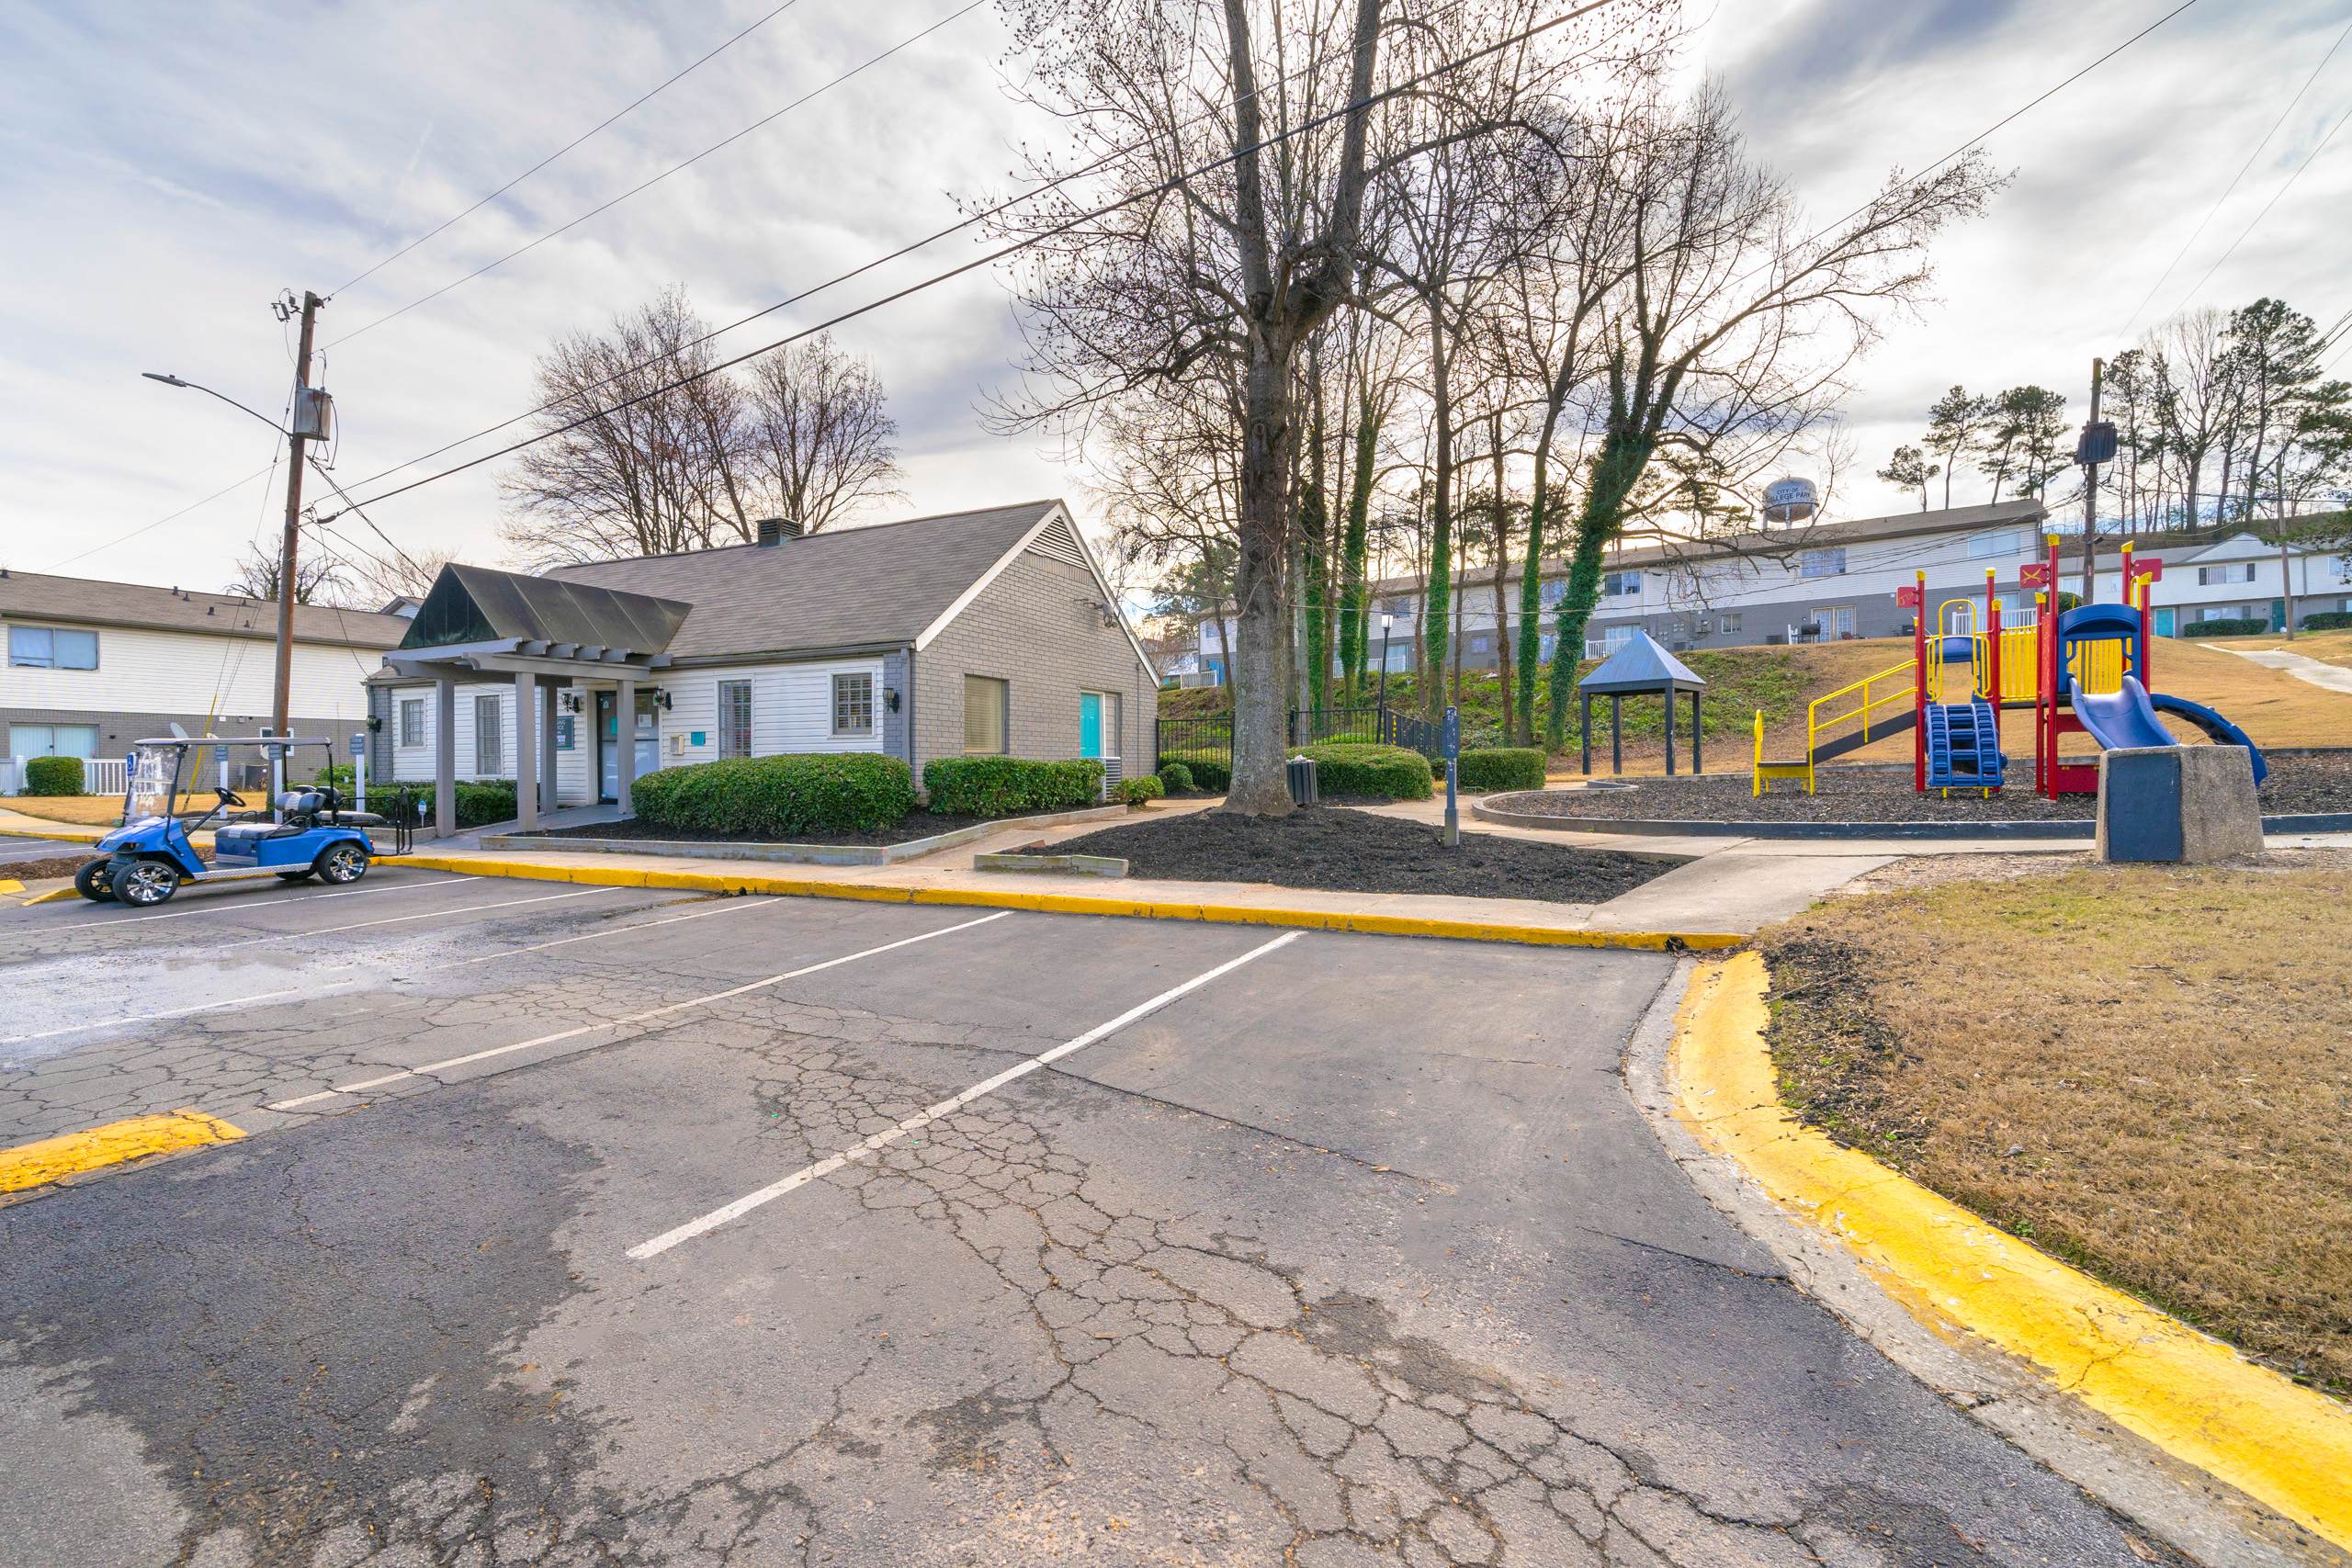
2128,718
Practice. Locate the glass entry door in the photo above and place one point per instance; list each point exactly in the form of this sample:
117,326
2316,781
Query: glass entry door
608,756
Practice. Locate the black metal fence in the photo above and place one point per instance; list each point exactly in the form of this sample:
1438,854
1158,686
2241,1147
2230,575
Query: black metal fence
1212,736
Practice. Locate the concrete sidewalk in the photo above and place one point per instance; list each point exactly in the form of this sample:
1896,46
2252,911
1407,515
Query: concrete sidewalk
2332,677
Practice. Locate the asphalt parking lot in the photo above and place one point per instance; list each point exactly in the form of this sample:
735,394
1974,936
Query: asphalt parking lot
622,1227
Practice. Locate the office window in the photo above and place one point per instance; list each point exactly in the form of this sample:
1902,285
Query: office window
52,647
734,718
1985,546
853,704
1821,563
53,740
987,704
2228,571
488,749
411,721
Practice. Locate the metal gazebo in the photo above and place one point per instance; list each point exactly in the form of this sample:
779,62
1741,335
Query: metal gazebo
1640,668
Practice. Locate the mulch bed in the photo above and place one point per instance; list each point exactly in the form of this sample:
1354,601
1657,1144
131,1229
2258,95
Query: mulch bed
1354,851
34,870
2296,785
914,824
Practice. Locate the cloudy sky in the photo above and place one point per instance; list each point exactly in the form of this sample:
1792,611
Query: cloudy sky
166,169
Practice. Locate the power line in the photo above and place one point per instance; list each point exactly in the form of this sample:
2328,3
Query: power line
908,43
989,258
631,106
353,506
150,528
2258,217
904,251
2226,190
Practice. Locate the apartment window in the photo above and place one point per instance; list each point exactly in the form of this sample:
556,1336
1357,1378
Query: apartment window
52,647
489,749
1619,585
2228,571
1481,643
1985,546
987,704
1728,621
853,705
53,740
734,718
1821,563
1401,605
411,721
1554,590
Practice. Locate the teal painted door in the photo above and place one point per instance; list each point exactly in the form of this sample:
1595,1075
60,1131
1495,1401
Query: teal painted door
1090,724
2164,620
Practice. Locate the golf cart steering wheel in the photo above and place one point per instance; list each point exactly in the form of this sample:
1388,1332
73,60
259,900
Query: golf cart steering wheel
229,796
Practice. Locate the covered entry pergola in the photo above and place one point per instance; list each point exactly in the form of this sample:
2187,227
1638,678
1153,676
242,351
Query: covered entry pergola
547,635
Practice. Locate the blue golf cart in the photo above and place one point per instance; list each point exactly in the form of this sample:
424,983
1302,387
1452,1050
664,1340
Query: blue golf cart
306,832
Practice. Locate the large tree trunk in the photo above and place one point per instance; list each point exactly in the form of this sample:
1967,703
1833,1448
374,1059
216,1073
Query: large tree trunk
1623,454
1502,577
1260,747
1531,586
1436,627
1355,610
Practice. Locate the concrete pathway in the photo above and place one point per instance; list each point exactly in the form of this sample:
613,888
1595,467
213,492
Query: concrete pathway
2334,677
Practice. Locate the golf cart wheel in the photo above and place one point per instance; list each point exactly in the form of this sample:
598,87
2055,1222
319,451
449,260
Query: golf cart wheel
140,883
94,881
342,863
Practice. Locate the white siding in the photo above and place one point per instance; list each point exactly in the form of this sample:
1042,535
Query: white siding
141,671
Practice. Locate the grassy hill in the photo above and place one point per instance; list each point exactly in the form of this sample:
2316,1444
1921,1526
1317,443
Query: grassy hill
2272,707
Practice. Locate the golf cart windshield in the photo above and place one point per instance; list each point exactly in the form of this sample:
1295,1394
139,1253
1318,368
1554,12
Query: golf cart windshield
154,782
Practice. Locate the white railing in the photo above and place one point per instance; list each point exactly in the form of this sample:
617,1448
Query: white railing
104,775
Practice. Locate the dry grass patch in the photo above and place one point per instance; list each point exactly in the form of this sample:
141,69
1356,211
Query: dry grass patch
93,811
2146,1071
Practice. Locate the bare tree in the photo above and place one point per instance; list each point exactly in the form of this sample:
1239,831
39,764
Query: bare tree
409,575
818,441
318,577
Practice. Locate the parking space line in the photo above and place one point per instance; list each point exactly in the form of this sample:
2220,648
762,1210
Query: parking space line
403,919
311,989
923,1119
240,904
650,1014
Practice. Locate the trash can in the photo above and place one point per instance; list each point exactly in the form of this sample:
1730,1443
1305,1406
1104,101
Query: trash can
1302,782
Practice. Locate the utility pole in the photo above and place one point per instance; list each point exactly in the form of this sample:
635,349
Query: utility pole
2090,501
281,698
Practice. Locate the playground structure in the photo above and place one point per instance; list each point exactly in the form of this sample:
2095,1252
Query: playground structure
2083,671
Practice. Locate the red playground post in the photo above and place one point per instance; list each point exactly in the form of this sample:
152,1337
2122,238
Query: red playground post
1914,598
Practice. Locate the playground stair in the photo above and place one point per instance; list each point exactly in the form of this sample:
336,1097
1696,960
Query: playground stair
1964,746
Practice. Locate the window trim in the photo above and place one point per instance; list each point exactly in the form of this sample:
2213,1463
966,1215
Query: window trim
722,721
51,632
406,737
15,751
1831,556
496,730
1004,716
834,689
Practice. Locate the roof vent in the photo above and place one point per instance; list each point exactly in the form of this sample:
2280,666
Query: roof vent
773,530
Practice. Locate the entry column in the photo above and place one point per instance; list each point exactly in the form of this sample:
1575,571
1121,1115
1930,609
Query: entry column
547,801
445,755
526,750
624,738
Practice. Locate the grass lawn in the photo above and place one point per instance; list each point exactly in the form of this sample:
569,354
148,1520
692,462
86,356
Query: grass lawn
2146,1071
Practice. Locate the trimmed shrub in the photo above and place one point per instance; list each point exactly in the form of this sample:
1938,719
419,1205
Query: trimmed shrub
2241,627
1489,768
1001,786
2327,621
1175,777
54,775
1210,770
779,797
478,804
1138,791
1385,773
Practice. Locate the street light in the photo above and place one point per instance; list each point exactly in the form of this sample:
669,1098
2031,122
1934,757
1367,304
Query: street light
193,387
1386,621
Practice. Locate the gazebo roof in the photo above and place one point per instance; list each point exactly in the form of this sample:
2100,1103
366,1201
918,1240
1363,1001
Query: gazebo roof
477,619
1641,666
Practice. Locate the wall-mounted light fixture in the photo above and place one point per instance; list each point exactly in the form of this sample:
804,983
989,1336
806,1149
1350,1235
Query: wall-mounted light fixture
662,698
568,700
890,698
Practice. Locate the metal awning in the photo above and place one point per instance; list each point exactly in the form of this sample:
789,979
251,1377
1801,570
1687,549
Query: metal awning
479,619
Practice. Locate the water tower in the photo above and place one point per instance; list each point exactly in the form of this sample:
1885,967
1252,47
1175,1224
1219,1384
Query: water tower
1789,501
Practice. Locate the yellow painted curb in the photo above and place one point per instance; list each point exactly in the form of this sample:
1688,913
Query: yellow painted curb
54,896
53,1159
1085,904
2190,1394
10,885
62,835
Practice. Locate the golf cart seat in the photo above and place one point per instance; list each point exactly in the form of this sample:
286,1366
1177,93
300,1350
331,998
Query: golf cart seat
238,838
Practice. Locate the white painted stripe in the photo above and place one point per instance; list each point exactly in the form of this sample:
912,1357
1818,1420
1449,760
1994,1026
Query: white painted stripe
650,1013
227,904
283,936
923,1119
313,989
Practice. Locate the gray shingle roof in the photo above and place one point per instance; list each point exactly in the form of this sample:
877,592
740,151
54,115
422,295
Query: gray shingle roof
475,603
1640,666
848,588
30,596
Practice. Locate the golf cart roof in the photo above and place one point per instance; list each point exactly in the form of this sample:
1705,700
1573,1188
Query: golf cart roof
184,741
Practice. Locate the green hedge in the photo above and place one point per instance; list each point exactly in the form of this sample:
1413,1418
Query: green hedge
1386,772
478,804
1139,791
1175,776
2327,621
2244,626
1001,786
1210,770
1489,768
779,797
54,775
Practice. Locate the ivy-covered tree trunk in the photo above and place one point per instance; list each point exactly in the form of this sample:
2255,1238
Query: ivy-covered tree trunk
1624,453
1355,610
1314,527
1436,631
1531,589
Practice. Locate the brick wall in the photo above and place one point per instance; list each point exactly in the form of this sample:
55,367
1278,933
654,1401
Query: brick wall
1037,628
